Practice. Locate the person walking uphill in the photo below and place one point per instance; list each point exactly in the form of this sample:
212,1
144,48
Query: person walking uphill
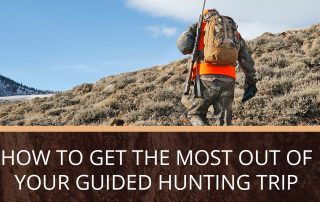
220,48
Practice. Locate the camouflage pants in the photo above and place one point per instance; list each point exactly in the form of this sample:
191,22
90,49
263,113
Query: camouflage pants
216,93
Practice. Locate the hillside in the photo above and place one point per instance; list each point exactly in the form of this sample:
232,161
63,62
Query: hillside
288,66
8,87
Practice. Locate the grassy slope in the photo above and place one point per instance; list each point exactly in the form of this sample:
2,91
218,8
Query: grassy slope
288,66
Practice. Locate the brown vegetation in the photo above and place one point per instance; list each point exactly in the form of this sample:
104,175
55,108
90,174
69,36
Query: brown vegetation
288,66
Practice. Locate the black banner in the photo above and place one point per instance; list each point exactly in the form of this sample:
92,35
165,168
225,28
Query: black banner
159,166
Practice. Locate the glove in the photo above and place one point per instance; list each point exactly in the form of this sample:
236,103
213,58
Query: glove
249,92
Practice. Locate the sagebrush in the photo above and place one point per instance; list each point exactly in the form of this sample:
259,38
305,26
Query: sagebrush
288,66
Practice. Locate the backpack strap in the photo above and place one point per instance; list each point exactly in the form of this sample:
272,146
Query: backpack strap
225,28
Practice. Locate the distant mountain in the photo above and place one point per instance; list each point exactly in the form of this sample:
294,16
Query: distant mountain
8,87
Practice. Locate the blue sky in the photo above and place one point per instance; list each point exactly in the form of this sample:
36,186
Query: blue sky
58,44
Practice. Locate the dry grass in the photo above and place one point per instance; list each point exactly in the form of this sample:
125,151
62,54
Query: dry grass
288,66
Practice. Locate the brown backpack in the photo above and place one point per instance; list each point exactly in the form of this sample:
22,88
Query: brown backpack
221,40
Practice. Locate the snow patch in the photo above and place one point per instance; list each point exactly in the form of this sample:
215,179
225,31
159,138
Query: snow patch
20,98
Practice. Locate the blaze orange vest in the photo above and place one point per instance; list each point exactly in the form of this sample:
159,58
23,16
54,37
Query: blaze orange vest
205,68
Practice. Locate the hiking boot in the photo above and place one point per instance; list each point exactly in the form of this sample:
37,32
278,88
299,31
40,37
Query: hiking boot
198,120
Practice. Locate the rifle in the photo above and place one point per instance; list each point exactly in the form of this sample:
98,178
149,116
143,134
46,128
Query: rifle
194,59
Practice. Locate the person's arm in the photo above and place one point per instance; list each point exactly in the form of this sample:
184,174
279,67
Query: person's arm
246,63
186,40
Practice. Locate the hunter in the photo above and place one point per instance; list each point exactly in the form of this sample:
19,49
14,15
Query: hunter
221,49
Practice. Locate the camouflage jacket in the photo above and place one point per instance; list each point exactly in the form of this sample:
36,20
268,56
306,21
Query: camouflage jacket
186,42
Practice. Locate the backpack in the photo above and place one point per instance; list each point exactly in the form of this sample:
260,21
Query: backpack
221,40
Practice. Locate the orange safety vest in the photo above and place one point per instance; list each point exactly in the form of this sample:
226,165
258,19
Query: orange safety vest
205,68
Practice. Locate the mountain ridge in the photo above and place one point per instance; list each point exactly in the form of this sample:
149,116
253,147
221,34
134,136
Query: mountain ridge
9,87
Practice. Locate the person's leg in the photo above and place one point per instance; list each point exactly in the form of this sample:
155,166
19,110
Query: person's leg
226,98
197,113
198,107
219,111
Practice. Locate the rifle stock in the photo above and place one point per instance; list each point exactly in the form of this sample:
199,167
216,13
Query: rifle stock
189,79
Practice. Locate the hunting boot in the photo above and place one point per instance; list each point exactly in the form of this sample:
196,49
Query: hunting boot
198,120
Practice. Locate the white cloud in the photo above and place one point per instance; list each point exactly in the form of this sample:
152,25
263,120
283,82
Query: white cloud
161,30
180,9
254,17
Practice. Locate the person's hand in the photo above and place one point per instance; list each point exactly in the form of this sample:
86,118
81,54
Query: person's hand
249,92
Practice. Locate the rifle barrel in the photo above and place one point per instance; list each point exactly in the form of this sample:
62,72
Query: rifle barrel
195,54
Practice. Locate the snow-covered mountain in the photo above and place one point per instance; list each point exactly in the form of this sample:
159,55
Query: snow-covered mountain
8,87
